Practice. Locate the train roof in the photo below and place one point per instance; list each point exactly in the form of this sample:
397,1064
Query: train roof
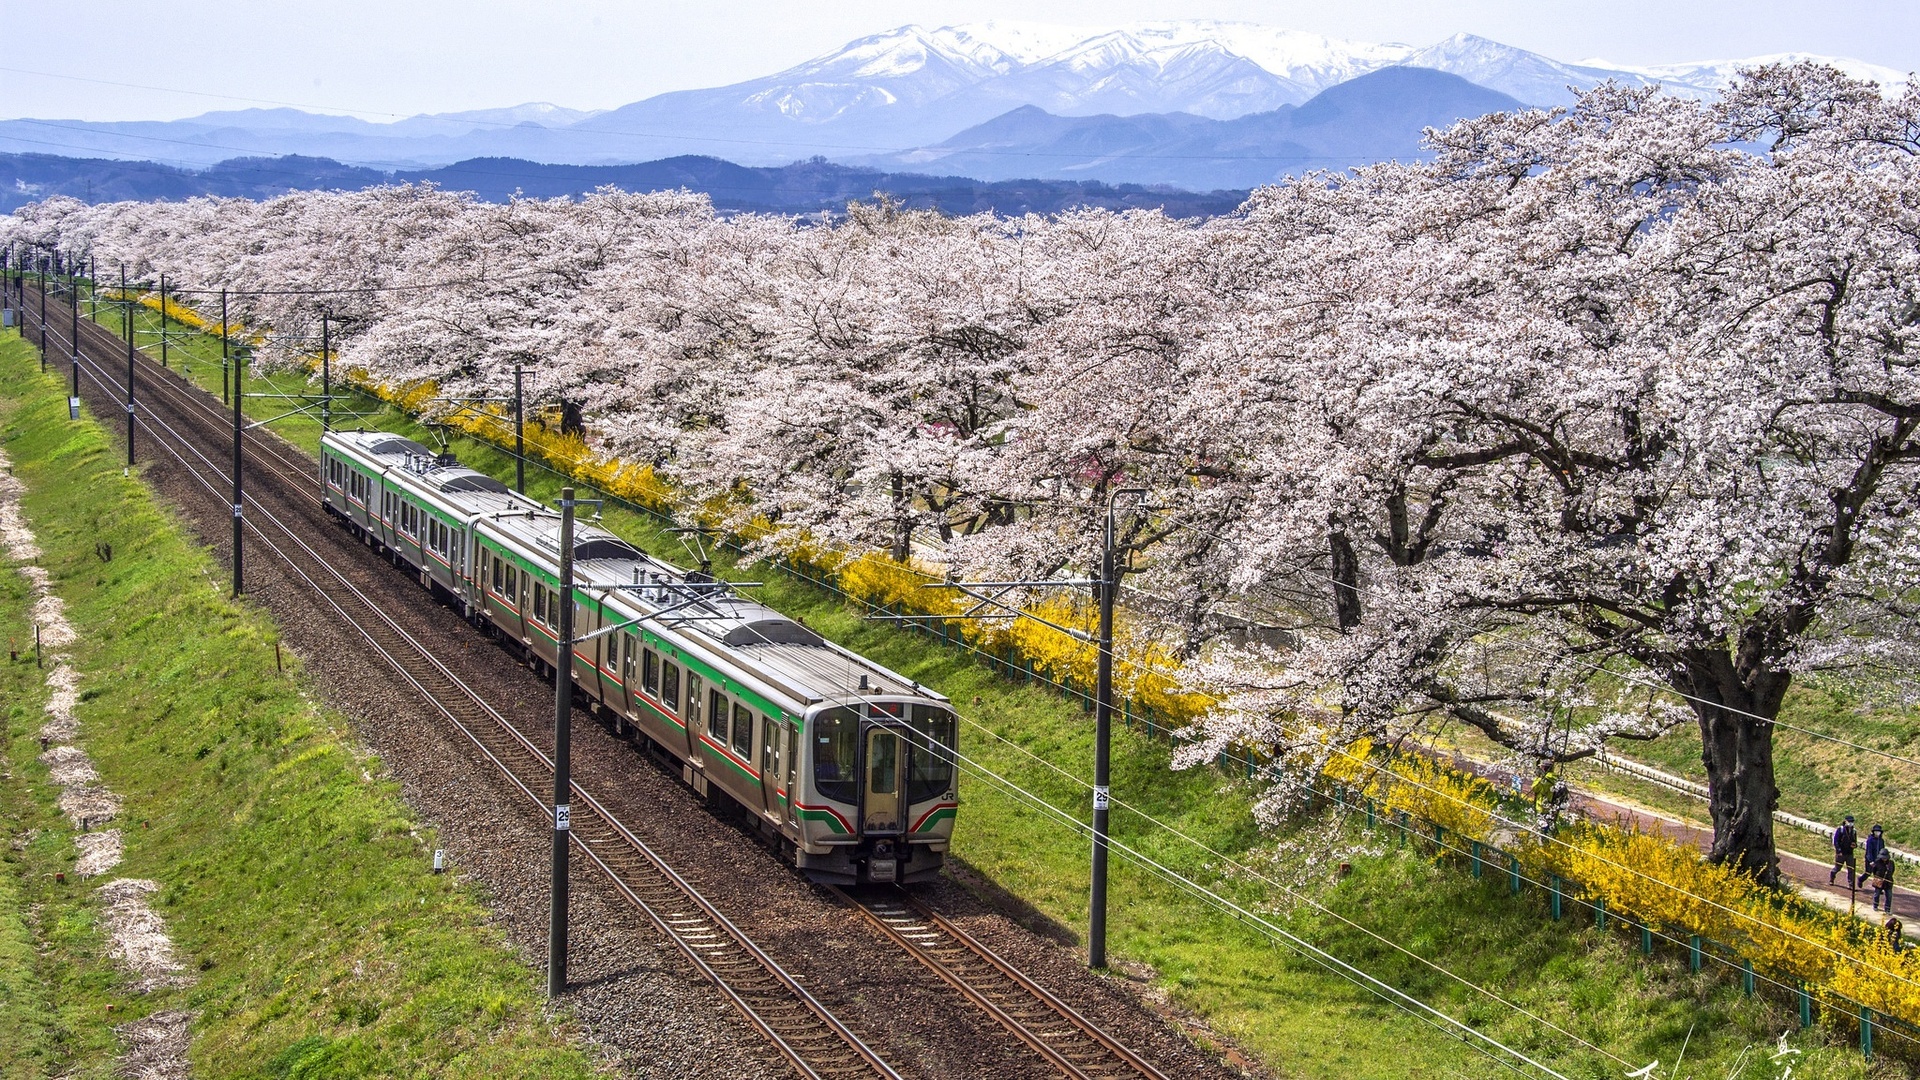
694,605
463,488
703,611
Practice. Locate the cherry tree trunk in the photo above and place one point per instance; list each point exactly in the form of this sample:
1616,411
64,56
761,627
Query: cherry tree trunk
1736,738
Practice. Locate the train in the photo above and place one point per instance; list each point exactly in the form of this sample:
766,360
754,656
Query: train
844,766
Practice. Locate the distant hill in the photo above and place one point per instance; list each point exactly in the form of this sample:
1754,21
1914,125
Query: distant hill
799,188
1379,116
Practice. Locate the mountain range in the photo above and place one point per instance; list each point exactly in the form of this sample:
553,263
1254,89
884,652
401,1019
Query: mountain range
1200,104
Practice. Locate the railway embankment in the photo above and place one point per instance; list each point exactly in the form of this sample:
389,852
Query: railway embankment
197,854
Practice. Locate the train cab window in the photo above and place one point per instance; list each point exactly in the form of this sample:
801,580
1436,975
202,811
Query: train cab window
692,713
670,687
930,753
836,740
650,672
743,731
717,716
628,648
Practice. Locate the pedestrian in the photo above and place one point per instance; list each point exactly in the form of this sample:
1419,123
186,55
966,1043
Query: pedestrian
1882,871
1844,839
1876,846
1894,927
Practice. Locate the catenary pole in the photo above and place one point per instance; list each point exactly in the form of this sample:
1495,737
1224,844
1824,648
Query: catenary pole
1106,588
163,319
562,739
127,320
74,330
238,502
326,373
519,432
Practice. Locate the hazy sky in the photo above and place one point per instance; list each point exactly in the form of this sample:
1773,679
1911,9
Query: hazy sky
390,58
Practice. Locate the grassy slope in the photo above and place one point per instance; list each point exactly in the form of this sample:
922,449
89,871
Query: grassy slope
1297,1017
296,881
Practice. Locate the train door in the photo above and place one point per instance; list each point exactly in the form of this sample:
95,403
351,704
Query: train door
884,761
772,766
792,736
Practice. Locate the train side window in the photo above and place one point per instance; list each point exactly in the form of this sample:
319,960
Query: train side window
670,687
742,731
717,716
650,671
627,649
692,713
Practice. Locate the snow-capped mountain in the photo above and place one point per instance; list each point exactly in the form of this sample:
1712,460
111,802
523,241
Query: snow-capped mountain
893,93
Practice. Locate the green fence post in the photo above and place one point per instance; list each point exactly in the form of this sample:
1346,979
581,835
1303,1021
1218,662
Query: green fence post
1600,914
1440,838
1126,711
1513,875
1476,858
1405,828
1646,939
1149,721
1806,1006
1369,813
1866,1031
1746,976
1693,952
1554,885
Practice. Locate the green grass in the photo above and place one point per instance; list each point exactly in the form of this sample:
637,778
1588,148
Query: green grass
297,883
1297,1017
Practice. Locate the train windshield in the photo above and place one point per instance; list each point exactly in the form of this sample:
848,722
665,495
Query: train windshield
930,757
836,748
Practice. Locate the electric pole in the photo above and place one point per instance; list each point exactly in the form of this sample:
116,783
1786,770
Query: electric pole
562,738
326,373
238,502
1105,589
519,432
127,299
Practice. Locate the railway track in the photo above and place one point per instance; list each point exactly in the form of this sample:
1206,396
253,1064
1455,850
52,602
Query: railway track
1072,1043
800,1027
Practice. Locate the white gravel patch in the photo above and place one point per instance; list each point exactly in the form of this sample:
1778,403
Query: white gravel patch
156,1046
137,935
69,766
99,852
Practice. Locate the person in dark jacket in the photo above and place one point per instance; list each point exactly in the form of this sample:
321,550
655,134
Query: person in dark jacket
1845,838
1882,871
1876,846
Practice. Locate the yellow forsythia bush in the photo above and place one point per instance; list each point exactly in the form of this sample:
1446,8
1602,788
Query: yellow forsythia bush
1655,880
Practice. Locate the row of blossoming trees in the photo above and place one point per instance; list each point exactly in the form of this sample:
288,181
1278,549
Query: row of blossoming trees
1602,421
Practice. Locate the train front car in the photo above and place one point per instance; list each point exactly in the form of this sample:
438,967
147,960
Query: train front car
878,797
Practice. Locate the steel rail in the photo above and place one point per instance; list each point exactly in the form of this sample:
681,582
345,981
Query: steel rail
802,1029
1068,1040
